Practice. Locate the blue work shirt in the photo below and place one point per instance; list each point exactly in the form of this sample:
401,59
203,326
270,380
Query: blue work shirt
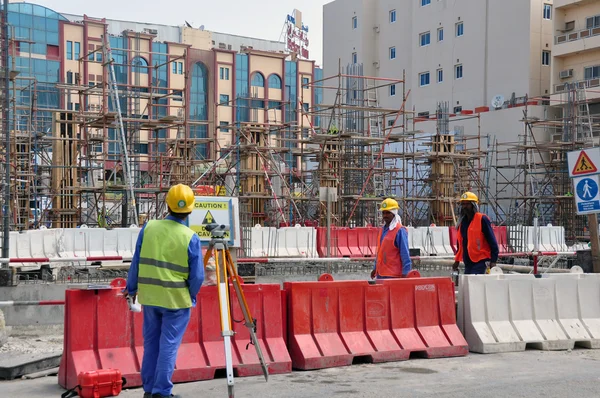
401,243
196,268
488,233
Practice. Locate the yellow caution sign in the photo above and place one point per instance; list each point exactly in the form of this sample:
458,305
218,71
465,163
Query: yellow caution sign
210,212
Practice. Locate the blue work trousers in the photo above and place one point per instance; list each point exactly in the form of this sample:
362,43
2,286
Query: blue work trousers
476,268
163,331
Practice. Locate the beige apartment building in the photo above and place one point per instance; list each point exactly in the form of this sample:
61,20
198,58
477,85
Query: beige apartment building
576,52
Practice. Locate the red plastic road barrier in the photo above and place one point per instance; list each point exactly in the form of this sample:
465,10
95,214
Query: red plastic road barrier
331,323
453,239
322,242
101,333
501,238
364,243
61,259
353,242
340,242
423,316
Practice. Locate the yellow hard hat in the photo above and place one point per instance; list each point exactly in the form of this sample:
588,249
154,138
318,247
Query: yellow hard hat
469,197
180,199
389,205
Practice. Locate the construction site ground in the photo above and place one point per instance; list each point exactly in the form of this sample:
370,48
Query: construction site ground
526,374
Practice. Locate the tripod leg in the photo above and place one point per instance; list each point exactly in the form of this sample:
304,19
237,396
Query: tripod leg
250,323
226,332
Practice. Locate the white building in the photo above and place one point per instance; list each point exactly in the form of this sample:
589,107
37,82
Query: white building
461,51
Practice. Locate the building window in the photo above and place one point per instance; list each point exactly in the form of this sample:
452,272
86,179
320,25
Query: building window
224,99
591,72
174,68
592,22
546,58
458,71
180,67
547,11
354,58
460,29
390,122
424,79
77,50
70,77
354,23
70,50
392,90
392,52
440,75
223,127
425,39
275,82
392,16
258,80
425,3
139,65
440,34
305,82
306,107
224,73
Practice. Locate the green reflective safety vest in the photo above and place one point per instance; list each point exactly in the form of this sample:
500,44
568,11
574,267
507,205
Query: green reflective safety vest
163,267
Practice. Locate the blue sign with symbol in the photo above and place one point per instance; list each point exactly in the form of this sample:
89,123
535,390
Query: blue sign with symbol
587,195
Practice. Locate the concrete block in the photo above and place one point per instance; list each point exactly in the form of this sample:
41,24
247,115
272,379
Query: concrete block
15,366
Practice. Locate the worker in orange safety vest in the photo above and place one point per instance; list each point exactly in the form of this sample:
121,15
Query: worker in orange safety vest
475,233
393,257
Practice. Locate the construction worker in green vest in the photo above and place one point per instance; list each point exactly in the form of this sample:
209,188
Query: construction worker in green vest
166,273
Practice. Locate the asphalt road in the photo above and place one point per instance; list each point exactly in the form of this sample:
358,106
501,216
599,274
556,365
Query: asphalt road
526,374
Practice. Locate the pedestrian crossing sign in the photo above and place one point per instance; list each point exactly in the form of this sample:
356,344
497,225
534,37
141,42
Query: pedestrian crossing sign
584,165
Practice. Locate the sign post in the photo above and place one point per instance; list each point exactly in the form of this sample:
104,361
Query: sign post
583,170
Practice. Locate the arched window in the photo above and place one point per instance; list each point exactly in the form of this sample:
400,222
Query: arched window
139,65
258,80
199,92
274,82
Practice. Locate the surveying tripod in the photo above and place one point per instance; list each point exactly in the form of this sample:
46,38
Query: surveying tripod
225,269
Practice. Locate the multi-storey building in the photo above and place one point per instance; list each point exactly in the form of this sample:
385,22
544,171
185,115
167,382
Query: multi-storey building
188,98
576,54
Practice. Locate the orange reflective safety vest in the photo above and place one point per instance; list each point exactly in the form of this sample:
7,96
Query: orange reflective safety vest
389,262
477,246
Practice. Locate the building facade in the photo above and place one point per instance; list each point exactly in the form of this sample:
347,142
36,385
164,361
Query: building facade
464,52
186,104
576,54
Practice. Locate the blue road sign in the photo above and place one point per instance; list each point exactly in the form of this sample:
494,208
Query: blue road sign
586,191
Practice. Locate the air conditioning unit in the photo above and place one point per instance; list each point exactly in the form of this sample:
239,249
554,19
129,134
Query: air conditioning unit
565,74
152,31
222,46
376,29
423,114
376,64
457,109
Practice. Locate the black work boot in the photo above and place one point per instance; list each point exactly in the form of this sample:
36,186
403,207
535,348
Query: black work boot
147,395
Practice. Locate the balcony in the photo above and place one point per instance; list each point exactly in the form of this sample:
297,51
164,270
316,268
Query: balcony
558,99
570,3
576,42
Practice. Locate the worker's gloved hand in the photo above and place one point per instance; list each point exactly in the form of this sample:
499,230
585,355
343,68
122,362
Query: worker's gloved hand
492,265
373,274
455,266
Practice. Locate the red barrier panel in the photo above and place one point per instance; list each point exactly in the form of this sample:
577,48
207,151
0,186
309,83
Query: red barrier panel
364,243
100,333
353,242
423,316
340,242
501,238
322,242
331,323
453,239
373,234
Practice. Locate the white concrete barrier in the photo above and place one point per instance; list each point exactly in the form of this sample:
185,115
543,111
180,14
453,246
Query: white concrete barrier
95,242
262,240
439,238
503,313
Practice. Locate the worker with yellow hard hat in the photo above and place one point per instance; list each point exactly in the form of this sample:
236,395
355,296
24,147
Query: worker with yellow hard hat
477,245
392,259
166,273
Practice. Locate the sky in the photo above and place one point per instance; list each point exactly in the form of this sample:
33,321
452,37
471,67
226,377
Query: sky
260,18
